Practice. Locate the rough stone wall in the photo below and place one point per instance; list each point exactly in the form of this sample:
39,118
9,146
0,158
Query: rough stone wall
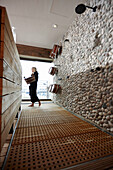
87,91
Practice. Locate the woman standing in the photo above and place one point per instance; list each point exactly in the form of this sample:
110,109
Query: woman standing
33,88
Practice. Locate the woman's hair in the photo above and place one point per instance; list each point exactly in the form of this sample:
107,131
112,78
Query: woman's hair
34,68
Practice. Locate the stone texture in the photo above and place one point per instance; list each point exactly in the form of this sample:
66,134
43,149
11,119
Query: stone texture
86,65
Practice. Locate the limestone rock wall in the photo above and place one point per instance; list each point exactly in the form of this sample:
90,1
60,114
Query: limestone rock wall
85,67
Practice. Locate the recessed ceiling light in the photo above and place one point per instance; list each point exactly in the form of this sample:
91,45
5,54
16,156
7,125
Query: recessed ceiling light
55,26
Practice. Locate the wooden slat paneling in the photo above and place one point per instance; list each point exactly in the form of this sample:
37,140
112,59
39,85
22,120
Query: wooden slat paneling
9,87
2,32
10,120
10,77
14,56
9,99
1,50
6,71
3,11
7,115
1,75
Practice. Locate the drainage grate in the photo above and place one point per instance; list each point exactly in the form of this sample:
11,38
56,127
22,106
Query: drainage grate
45,113
54,140
52,131
44,118
60,153
43,121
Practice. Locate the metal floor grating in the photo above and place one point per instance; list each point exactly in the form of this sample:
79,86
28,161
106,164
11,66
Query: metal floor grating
55,140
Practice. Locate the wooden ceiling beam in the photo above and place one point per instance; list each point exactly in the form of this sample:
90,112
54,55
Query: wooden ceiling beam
33,51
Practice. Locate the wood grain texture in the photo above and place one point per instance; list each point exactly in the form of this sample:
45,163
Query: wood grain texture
11,53
2,32
33,51
8,58
10,87
1,50
3,11
8,72
1,75
10,77
9,99
1,62
9,112
6,130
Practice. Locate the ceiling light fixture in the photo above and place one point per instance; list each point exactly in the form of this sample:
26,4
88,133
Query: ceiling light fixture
55,26
81,8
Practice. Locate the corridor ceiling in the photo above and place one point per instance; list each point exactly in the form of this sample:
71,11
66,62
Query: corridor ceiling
33,20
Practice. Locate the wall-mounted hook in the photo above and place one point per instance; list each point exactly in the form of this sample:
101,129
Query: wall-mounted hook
59,78
57,65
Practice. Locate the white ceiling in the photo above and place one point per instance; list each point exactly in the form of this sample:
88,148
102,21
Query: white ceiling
33,20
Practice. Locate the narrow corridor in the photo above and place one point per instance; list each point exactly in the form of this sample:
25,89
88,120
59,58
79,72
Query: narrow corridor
51,138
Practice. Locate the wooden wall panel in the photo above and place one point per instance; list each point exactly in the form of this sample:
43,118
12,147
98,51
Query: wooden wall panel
8,72
3,11
1,75
5,132
10,77
2,32
1,72
9,87
1,50
9,112
9,99
11,55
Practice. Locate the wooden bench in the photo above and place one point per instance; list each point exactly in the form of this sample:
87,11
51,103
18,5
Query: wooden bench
10,77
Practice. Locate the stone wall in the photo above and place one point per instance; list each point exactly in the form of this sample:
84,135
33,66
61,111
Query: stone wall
85,67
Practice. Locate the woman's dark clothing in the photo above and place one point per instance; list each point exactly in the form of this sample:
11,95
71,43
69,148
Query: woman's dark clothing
32,89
